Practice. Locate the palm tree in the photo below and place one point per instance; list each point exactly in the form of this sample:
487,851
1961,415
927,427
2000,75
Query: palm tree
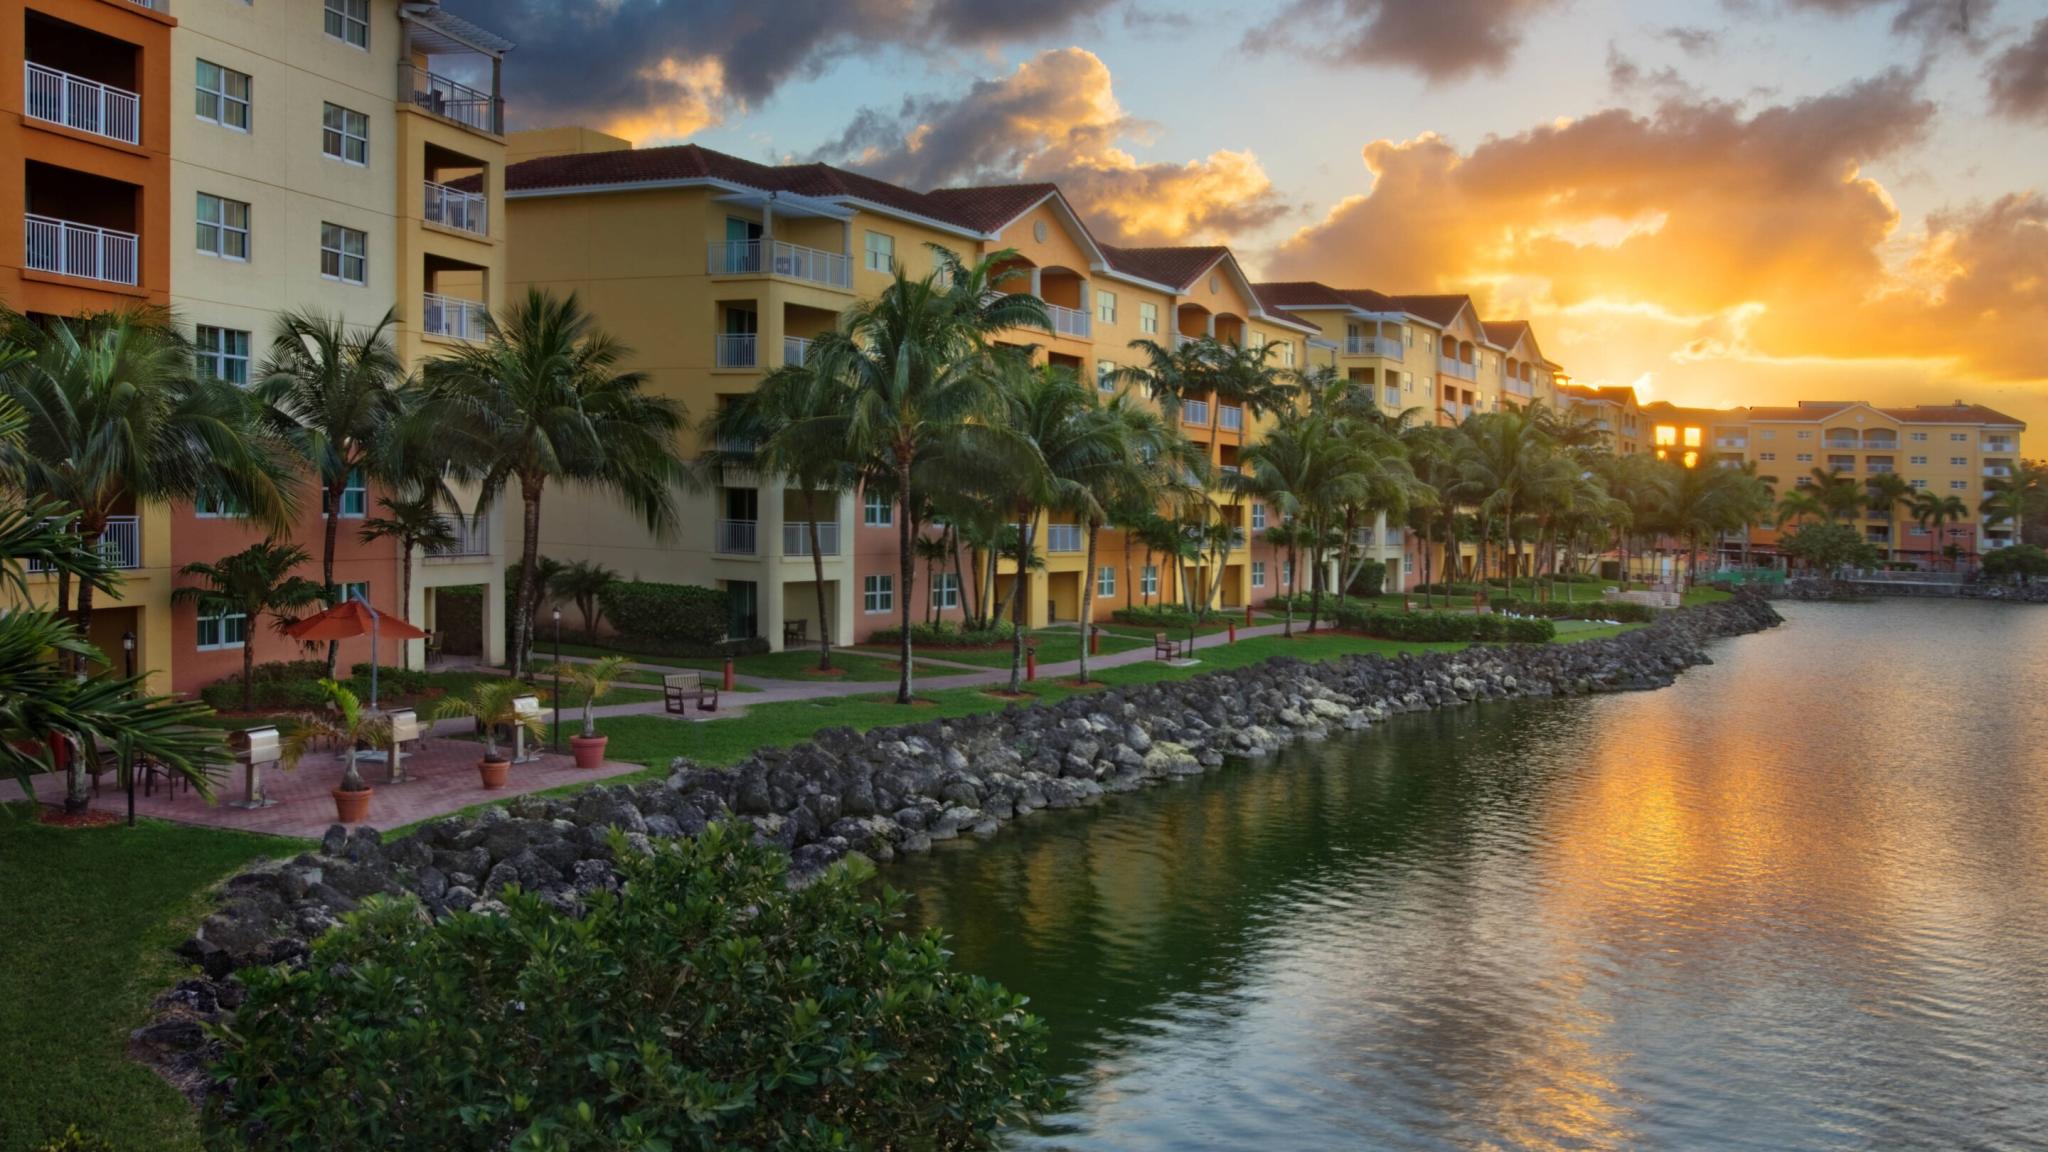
934,551
346,723
1889,490
593,681
1800,504
258,581
2014,497
1837,493
1506,459
1135,439
544,399
1933,512
416,523
583,582
911,364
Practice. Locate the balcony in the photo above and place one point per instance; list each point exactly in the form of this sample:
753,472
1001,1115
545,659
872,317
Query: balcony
1062,537
1195,412
1393,396
454,208
86,105
795,349
1998,444
735,350
736,537
1516,387
1237,539
1068,321
1230,419
1180,341
1731,442
1452,366
80,250
1880,443
451,100
796,538
775,258
120,545
1372,346
454,317
472,538
1849,442
1880,467
1230,469
1997,471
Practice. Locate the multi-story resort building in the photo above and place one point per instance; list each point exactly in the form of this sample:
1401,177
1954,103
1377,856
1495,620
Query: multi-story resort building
234,160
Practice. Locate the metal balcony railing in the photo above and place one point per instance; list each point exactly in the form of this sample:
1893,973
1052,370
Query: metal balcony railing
795,349
796,538
87,105
1991,445
1063,538
451,99
454,208
735,350
736,537
120,544
1068,321
773,257
1451,365
1372,346
453,317
472,537
80,250
1731,442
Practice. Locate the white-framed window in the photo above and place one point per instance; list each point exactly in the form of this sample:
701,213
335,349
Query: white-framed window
349,21
1259,517
1805,457
878,593
1258,573
1148,580
355,498
221,95
348,590
877,510
1917,483
1408,563
1105,306
1287,573
1959,437
215,506
1767,457
1428,341
1767,434
1959,461
220,628
1287,353
1916,459
1407,381
344,134
223,227
1805,434
1959,485
1105,580
1917,437
1148,317
881,252
945,590
222,353
344,253
1104,370
1803,482
1409,333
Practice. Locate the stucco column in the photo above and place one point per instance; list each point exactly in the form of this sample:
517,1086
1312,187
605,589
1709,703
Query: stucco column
1035,279
845,607
494,606
769,593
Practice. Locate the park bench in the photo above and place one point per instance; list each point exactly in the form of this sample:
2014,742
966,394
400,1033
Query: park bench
679,689
1164,647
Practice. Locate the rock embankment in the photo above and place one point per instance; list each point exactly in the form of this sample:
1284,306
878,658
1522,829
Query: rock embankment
887,791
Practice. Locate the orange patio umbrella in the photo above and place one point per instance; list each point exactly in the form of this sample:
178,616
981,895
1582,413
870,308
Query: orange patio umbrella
346,621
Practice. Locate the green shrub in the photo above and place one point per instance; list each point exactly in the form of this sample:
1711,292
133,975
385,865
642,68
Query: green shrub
75,1141
1371,579
1156,616
1621,611
1440,588
707,1003
392,680
684,613
278,685
1431,627
942,634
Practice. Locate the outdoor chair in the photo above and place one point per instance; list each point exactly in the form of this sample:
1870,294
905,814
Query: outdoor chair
680,689
1164,647
793,631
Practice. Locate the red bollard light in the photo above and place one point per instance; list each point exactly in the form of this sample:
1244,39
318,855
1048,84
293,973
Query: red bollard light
1233,631
1247,615
1031,663
728,674
1094,641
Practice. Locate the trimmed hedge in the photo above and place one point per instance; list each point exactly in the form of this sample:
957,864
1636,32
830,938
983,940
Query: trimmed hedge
676,613
943,635
1442,626
1371,580
1156,616
1582,610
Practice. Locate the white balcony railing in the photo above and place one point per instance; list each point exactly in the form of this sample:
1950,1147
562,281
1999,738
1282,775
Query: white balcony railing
796,538
1180,341
1230,419
1068,321
80,250
1842,442
87,105
795,349
454,208
773,257
1994,445
1393,396
453,317
1731,442
1997,471
470,107
1880,444
736,537
1195,412
735,350
1062,537
1452,366
471,537
1518,387
1878,468
120,544
1372,346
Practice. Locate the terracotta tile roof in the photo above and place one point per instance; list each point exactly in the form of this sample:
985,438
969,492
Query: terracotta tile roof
1175,267
1957,413
1805,412
987,207
1504,333
1439,310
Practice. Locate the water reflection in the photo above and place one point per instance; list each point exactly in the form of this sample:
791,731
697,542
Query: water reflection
1796,901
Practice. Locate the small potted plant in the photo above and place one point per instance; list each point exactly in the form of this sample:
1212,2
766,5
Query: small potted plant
596,678
491,703
347,723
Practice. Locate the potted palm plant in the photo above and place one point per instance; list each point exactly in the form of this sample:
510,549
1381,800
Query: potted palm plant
493,705
347,723
596,678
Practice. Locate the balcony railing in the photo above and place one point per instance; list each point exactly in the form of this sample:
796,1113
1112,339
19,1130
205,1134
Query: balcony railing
453,317
795,349
1062,537
1452,366
1879,468
120,544
1993,445
735,350
1068,321
796,538
1518,387
1843,442
1880,444
472,537
1998,471
1237,538
1230,419
470,107
80,250
1393,396
773,257
454,208
87,105
1731,442
736,537
1372,346
1195,412
1180,341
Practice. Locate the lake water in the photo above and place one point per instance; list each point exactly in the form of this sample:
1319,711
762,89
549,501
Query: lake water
1797,901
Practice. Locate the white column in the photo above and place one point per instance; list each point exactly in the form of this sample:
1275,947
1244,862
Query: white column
1210,325
1034,284
768,547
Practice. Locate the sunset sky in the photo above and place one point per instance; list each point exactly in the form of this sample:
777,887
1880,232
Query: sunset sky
1720,201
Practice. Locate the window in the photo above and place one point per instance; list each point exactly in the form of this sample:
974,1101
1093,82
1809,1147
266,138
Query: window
1428,341
1148,580
214,506
1959,461
1103,375
1959,437
1258,517
344,134
1767,434
945,591
349,21
221,95
1287,353
344,253
878,593
347,591
1148,318
1917,483
1408,564
222,353
881,252
1287,573
354,498
1407,381
1959,485
1805,457
1105,581
1916,459
1105,306
1807,435
877,510
1410,334
223,227
1258,573
219,628
1767,457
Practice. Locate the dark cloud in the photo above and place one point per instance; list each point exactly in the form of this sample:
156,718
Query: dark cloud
1931,19
1441,39
1693,41
1627,78
982,22
2019,78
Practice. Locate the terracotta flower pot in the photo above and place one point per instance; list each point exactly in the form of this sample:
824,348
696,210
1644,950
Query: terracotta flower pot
589,750
352,807
493,772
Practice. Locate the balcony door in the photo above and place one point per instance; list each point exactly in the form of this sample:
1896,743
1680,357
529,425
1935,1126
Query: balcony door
740,596
742,245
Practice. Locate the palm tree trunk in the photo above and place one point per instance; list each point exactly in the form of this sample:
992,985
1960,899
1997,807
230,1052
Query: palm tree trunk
1287,620
1017,597
1315,577
906,568
1088,599
818,582
959,572
529,566
405,602
248,664
76,795
329,531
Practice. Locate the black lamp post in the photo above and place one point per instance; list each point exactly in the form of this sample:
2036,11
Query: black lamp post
555,744
128,664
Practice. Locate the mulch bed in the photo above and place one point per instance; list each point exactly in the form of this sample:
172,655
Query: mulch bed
58,818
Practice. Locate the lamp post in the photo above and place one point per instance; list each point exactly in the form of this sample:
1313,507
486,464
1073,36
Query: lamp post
128,672
555,744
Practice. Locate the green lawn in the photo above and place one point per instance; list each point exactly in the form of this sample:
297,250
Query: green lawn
1706,596
1055,645
794,664
93,914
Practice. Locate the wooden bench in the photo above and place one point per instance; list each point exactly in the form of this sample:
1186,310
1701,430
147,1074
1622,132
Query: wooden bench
679,689
795,631
1164,647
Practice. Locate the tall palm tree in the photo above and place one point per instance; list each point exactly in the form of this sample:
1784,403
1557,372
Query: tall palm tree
2015,497
1888,490
545,399
1134,439
1506,459
414,523
1840,495
256,582
934,551
1934,512
583,583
